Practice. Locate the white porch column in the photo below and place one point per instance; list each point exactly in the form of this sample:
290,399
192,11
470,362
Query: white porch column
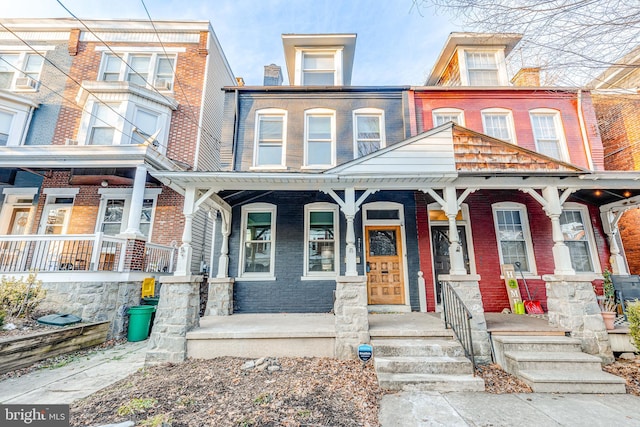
561,255
183,267
349,210
451,208
137,199
610,226
225,230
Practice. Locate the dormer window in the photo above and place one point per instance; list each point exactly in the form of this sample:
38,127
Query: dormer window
318,69
482,68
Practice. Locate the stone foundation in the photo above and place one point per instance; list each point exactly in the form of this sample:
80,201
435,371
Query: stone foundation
468,289
177,313
95,302
220,300
572,305
352,316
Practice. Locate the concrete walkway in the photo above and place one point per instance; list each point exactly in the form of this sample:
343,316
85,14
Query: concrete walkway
409,409
77,379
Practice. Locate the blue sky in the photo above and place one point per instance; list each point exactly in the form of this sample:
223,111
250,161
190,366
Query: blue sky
395,45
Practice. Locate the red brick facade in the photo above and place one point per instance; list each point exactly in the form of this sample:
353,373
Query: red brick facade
619,122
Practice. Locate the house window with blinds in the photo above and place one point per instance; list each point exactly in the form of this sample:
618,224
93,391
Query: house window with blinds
321,251
514,238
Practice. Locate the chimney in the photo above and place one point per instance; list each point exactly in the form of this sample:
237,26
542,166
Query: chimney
527,77
240,81
272,75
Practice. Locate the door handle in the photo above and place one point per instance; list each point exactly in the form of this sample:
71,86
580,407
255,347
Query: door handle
384,271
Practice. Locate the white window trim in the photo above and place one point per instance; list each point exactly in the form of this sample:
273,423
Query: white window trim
153,53
126,105
500,63
511,127
448,111
11,195
557,120
368,112
513,206
325,112
125,194
256,145
245,210
321,207
41,50
338,77
51,195
591,241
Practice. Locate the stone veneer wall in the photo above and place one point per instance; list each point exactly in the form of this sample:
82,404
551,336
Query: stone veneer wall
94,302
351,315
573,306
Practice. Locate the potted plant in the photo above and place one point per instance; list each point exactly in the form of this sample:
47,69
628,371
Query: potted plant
607,301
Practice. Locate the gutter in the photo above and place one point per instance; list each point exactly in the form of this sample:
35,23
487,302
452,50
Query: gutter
236,123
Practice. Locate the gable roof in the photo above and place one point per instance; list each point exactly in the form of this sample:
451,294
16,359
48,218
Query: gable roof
450,148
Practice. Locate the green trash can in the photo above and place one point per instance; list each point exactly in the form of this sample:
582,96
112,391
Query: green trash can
139,321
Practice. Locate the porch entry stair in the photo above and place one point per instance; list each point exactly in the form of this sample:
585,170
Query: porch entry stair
554,364
414,351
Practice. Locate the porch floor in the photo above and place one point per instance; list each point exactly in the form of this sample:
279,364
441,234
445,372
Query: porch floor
520,324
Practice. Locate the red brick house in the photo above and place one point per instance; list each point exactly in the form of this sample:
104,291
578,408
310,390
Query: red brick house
88,109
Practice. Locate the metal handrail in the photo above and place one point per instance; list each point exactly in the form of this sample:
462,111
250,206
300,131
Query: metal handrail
458,317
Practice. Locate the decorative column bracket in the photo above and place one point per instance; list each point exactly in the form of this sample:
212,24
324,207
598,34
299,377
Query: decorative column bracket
349,207
451,204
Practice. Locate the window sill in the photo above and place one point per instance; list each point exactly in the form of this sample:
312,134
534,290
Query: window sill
255,279
317,167
323,277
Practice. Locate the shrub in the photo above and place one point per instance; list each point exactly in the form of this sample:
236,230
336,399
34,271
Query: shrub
18,296
633,315
2,316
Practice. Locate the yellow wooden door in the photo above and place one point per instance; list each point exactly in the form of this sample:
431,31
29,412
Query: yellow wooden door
385,280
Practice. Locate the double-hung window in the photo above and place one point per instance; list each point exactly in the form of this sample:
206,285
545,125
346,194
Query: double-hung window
320,138
115,208
498,123
6,119
20,71
103,124
270,151
368,131
257,251
578,237
152,70
513,235
318,68
146,124
548,133
482,68
446,115
321,233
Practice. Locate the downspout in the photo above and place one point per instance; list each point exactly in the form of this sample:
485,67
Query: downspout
25,129
234,139
583,131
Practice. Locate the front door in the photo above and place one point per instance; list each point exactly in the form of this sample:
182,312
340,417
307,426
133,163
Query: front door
385,278
440,245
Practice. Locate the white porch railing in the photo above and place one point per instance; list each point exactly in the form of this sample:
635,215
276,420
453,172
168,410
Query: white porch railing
79,252
159,258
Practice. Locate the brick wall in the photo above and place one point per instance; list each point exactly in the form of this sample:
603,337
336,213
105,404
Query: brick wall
520,103
619,123
487,259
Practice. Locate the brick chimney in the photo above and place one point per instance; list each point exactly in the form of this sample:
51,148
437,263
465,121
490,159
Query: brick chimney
272,75
527,77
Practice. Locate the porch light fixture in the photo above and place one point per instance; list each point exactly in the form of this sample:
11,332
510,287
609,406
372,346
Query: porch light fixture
104,183
627,193
598,193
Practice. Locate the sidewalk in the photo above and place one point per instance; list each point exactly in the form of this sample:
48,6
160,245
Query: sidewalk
413,409
76,380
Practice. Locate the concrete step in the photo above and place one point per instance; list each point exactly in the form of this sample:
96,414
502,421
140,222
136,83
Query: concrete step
424,365
416,347
426,333
565,361
586,382
537,343
430,382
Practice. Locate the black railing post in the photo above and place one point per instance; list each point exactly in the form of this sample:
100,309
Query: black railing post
458,317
